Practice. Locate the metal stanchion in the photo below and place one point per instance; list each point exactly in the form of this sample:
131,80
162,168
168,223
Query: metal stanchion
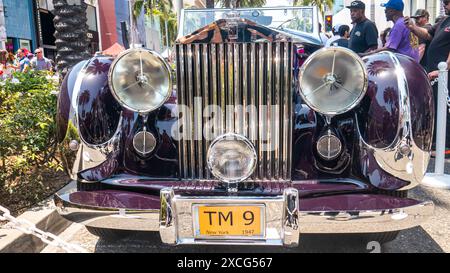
438,179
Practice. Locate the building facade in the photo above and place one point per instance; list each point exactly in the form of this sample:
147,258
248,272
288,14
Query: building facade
45,29
19,24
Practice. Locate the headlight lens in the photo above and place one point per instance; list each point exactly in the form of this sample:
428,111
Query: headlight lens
329,146
333,80
140,80
231,158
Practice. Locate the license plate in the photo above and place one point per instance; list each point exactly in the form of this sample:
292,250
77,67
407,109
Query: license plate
225,221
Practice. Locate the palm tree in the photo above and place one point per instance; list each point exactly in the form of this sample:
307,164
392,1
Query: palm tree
320,4
162,9
71,33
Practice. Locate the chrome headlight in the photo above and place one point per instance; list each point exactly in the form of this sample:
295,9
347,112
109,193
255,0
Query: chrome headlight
140,80
231,158
333,80
329,146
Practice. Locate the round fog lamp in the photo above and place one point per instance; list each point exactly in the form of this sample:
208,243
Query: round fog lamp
329,146
231,158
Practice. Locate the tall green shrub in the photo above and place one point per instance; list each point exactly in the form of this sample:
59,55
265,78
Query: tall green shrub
27,125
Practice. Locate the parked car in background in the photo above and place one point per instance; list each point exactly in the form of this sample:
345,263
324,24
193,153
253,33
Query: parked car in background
263,136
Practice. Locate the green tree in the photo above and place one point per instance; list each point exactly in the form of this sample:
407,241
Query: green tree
320,4
162,10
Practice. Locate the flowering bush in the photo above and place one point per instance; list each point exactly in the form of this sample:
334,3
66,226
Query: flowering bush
27,129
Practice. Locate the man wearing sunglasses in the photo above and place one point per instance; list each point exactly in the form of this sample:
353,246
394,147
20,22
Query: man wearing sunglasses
39,62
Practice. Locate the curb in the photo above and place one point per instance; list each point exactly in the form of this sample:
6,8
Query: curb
45,217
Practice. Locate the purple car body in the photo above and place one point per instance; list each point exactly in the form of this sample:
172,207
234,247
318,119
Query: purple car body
363,179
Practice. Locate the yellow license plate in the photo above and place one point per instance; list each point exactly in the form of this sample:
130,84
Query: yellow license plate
229,221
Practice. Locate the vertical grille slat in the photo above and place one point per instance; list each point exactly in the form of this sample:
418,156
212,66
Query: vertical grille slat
206,100
236,74
198,107
261,135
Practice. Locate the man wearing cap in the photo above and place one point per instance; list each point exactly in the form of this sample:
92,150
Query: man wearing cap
400,39
439,35
364,35
422,18
438,51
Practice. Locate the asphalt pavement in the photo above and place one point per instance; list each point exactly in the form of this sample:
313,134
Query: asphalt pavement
433,236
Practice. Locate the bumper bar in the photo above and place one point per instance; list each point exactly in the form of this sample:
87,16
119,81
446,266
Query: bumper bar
285,218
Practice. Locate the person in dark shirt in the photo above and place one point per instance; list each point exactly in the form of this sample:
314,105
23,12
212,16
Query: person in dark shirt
384,36
438,51
439,35
364,35
422,18
400,38
344,32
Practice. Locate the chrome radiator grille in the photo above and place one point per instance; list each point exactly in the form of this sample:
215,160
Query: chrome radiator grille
234,74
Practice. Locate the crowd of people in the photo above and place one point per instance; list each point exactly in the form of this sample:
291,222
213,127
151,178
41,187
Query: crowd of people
414,36
23,61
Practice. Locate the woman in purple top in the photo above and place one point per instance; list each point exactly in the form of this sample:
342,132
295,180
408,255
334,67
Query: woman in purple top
400,39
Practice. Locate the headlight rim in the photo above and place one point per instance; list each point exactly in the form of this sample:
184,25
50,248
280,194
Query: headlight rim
163,62
361,95
239,137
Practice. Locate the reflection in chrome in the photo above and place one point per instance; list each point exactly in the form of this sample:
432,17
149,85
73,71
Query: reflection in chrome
87,155
333,80
144,142
291,217
175,219
396,159
167,224
140,80
231,158
237,74
329,146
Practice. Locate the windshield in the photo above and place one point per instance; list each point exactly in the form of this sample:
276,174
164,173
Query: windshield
289,18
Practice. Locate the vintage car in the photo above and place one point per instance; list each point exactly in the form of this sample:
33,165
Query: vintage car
258,136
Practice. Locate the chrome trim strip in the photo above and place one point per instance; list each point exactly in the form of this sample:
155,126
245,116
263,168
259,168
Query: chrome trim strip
245,87
410,167
198,117
260,81
190,101
291,218
287,101
206,72
222,90
167,219
182,101
275,124
238,125
368,221
268,119
215,97
253,115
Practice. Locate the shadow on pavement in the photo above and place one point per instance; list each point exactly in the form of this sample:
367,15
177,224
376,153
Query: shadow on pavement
411,240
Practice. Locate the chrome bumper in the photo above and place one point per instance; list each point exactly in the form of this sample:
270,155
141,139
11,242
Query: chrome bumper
284,221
